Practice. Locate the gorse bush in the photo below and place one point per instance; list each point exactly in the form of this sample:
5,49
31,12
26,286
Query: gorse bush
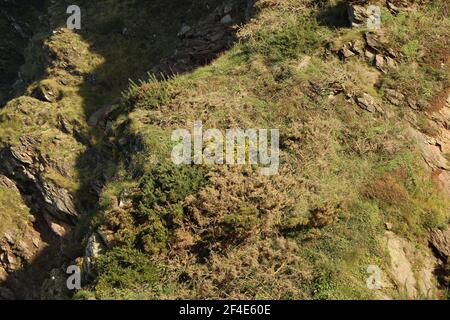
124,268
242,222
159,204
236,206
168,184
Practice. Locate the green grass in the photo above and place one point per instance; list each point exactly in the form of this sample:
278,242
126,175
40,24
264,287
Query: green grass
14,214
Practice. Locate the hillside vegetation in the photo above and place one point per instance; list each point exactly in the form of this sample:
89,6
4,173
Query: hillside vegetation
87,146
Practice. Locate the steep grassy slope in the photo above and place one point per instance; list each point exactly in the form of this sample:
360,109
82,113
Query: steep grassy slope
312,230
349,167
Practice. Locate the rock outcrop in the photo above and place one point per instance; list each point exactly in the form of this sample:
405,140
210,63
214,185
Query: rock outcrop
361,14
440,240
368,103
373,49
203,42
20,241
94,247
411,283
25,164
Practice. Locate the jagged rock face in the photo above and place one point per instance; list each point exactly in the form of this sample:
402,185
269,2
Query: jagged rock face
205,41
25,163
412,284
15,253
53,209
440,241
18,246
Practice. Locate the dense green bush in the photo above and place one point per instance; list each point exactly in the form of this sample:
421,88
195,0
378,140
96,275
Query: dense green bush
125,268
166,185
242,222
162,191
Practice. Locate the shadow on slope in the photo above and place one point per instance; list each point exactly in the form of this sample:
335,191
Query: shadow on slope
124,40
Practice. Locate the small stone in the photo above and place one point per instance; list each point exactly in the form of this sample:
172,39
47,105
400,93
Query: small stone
367,102
346,53
379,63
369,55
394,97
412,103
45,94
58,227
6,182
64,125
357,46
22,155
99,115
36,241
10,261
184,29
226,19
391,53
373,41
228,8
393,8
390,62
389,226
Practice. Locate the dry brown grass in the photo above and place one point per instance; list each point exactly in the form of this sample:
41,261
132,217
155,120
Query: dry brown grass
390,188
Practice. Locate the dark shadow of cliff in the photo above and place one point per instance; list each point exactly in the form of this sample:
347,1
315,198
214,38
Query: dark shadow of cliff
132,38
334,16
18,19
